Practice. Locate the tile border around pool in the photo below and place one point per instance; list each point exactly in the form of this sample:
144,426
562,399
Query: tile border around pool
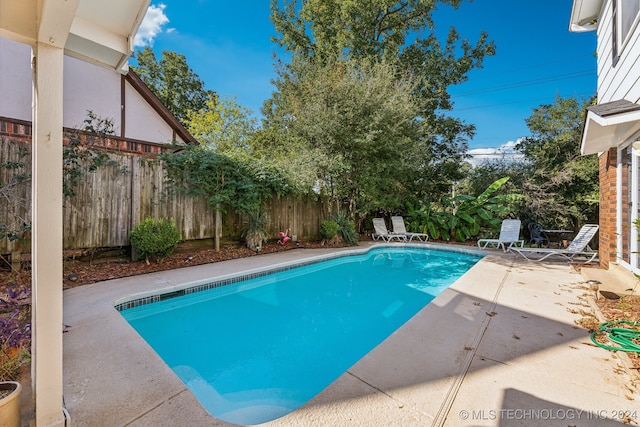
137,300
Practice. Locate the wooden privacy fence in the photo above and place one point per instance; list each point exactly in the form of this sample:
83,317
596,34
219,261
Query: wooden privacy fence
108,203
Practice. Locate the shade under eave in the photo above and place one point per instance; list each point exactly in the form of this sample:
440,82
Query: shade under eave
100,32
584,15
609,125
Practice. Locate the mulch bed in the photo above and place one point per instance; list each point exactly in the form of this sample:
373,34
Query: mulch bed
78,273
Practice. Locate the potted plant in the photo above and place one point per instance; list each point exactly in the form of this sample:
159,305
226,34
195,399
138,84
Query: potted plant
15,345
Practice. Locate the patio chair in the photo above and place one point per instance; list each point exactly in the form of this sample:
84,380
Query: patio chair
577,248
537,236
397,222
381,232
509,234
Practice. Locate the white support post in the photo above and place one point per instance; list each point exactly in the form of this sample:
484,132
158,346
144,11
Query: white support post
46,191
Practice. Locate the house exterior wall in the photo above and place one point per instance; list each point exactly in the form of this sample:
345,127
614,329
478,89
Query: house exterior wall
623,80
15,80
143,123
86,87
618,78
607,241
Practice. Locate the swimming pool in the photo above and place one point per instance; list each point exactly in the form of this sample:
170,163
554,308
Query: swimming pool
256,349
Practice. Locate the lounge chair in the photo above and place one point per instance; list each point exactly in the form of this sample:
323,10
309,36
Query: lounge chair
509,236
577,248
397,222
381,232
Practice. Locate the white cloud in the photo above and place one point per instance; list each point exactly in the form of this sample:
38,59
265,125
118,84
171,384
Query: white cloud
151,26
504,152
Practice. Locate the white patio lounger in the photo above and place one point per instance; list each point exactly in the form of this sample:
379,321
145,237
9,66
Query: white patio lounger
509,234
577,248
397,222
381,232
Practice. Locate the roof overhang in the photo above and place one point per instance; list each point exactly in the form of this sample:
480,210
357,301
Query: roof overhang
100,32
584,15
609,125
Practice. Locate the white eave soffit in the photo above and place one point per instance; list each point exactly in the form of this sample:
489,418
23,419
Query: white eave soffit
96,31
584,15
609,125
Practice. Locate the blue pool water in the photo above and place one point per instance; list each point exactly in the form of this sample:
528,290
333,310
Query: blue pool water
256,350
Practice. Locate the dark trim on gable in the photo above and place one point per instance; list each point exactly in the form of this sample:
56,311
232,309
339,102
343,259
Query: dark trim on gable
123,106
160,108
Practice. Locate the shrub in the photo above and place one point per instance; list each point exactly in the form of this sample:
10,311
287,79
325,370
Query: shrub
346,228
155,239
328,230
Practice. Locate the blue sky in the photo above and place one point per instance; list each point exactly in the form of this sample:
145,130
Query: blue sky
228,44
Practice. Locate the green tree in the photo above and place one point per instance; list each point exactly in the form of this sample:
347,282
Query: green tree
357,122
561,185
224,126
173,82
223,181
397,33
289,155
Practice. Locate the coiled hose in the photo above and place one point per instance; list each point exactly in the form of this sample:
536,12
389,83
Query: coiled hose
627,339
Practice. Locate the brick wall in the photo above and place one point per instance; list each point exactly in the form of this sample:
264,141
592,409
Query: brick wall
17,130
607,234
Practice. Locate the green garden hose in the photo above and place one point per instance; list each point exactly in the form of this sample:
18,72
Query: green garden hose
627,339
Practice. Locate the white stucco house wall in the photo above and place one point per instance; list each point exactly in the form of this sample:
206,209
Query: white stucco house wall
612,127
136,112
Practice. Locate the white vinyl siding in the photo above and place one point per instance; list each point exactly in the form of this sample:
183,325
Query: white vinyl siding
623,80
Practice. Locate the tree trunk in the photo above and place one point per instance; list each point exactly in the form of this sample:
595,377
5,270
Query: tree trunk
218,229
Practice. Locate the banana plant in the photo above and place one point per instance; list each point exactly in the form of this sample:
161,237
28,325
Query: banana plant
463,217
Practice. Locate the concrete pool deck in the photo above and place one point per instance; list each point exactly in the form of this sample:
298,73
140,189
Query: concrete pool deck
498,348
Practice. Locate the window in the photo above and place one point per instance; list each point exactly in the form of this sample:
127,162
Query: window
625,18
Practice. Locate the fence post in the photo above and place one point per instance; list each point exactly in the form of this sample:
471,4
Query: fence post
136,181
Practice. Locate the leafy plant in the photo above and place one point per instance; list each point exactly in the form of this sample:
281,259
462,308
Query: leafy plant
463,217
255,229
223,181
80,155
346,228
155,239
15,331
14,196
328,229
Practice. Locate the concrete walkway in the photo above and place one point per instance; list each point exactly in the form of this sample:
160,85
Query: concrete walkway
498,348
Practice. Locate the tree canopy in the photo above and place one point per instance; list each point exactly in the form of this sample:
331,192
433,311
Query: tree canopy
324,98
173,82
357,122
561,185
400,32
224,126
